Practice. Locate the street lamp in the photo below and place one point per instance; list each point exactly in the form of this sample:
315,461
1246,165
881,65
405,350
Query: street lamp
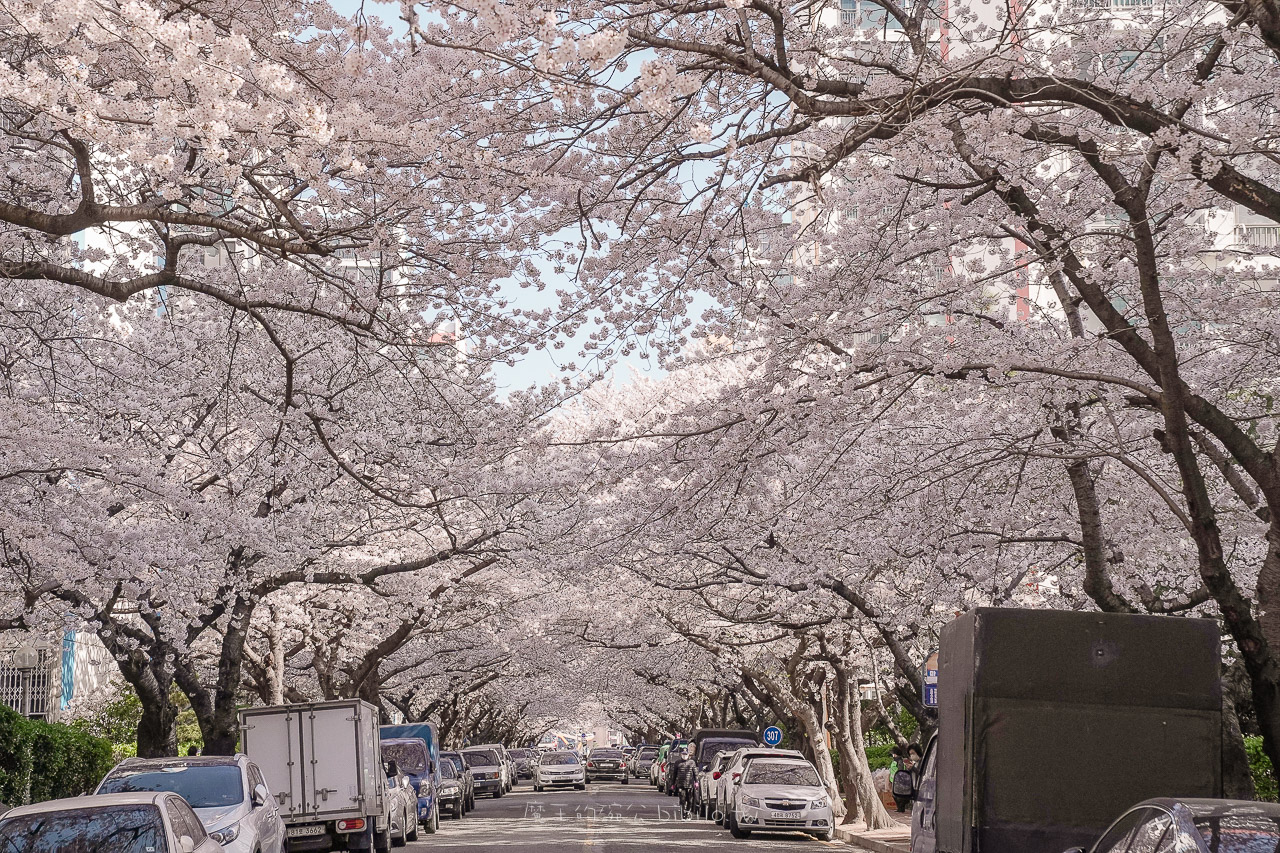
25,660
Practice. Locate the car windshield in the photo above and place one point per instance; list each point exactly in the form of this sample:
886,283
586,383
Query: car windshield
106,829
456,760
712,747
771,773
559,758
610,754
519,754
447,770
410,757
482,758
208,786
646,752
1239,833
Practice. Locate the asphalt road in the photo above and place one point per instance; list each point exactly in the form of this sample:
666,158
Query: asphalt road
605,818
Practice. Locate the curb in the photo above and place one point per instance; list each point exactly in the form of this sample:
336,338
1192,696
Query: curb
877,845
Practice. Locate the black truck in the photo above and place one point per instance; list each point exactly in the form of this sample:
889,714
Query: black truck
1051,723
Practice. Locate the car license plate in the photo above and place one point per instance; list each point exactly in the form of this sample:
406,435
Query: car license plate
781,815
300,831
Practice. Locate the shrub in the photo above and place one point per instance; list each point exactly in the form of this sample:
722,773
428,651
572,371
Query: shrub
1264,777
55,760
880,756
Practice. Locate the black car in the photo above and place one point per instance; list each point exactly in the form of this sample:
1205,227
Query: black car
452,795
640,760
465,776
523,759
607,763
1186,825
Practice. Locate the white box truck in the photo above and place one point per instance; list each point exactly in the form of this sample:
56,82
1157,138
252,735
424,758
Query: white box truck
323,761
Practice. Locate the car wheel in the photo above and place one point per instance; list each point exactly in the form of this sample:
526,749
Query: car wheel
411,821
626,779
823,835
581,786
497,795
382,841
537,789
433,824
735,830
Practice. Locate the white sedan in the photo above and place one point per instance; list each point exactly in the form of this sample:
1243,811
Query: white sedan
781,794
142,822
559,768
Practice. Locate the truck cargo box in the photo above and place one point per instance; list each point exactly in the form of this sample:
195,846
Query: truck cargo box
1051,723
323,759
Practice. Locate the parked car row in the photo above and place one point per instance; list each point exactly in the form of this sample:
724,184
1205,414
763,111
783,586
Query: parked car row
311,777
728,777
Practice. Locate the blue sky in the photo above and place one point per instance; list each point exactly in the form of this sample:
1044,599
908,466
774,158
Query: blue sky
544,365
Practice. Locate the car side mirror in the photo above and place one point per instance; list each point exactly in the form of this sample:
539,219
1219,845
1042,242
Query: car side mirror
260,796
187,844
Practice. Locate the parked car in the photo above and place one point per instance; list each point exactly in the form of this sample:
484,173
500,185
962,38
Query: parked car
412,756
729,777
607,763
676,748
1192,826
655,766
678,753
465,776
523,759
402,806
704,794
781,795
559,768
706,745
641,760
227,793
139,822
451,796
487,768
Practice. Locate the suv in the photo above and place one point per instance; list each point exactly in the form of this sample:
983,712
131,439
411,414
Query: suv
523,759
640,760
707,745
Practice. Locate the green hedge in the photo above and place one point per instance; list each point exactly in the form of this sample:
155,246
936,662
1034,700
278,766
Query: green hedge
1264,780
58,760
880,756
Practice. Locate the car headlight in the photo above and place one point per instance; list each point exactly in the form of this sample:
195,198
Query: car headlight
750,801
227,834
451,786
820,803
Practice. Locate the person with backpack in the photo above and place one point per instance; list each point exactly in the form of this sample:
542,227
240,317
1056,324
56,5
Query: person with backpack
902,782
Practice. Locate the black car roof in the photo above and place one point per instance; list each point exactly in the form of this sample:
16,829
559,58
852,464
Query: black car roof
1216,808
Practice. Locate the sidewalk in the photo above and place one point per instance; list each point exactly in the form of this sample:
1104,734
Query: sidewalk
893,840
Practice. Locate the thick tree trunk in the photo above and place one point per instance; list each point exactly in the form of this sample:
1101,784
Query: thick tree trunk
861,798
1237,776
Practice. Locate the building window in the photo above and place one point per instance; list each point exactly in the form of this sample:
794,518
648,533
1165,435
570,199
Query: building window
36,690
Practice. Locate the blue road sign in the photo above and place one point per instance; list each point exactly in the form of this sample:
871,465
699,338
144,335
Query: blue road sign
931,695
773,736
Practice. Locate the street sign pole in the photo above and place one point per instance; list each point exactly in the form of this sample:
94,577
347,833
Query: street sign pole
929,679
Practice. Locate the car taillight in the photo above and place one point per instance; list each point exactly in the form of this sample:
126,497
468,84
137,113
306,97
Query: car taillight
354,824
715,775
589,764
737,776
